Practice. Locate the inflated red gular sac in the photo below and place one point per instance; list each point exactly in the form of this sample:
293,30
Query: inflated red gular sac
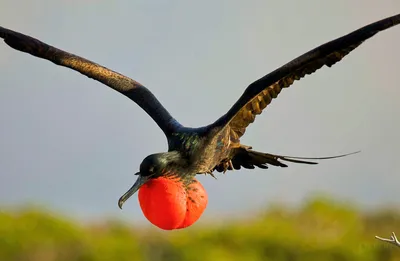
169,203
168,200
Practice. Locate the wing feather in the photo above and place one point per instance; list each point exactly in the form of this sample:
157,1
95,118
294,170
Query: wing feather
260,93
124,85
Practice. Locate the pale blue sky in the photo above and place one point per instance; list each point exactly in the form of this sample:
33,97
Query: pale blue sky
72,144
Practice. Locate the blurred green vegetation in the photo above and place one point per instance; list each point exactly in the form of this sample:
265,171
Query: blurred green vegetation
319,230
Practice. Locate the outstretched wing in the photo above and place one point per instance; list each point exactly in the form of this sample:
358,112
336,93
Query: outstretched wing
260,93
128,87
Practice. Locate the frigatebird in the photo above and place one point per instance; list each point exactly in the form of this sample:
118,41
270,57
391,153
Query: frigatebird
169,177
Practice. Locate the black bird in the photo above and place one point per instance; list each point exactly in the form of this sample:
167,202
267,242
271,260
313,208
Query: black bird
217,146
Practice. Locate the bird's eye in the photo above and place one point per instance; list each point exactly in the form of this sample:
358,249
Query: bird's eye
151,169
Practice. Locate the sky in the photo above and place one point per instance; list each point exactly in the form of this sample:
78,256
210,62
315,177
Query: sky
72,145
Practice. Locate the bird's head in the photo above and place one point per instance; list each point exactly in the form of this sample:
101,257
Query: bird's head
152,167
168,198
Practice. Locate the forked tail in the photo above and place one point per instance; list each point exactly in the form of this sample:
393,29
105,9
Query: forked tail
249,159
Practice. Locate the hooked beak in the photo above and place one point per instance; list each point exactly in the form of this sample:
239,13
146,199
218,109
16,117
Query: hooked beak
139,182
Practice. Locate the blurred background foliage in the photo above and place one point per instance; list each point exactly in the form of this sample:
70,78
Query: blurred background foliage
321,229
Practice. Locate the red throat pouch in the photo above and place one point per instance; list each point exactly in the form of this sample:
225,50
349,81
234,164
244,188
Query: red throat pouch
169,204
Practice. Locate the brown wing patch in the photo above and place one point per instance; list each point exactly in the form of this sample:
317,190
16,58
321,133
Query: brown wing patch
247,114
260,93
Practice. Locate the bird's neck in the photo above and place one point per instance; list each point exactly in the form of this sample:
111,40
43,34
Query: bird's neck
177,165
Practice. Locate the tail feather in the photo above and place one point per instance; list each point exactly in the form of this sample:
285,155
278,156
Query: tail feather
249,159
301,159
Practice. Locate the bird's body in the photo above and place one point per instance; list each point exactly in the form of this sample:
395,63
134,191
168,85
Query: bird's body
202,148
215,147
